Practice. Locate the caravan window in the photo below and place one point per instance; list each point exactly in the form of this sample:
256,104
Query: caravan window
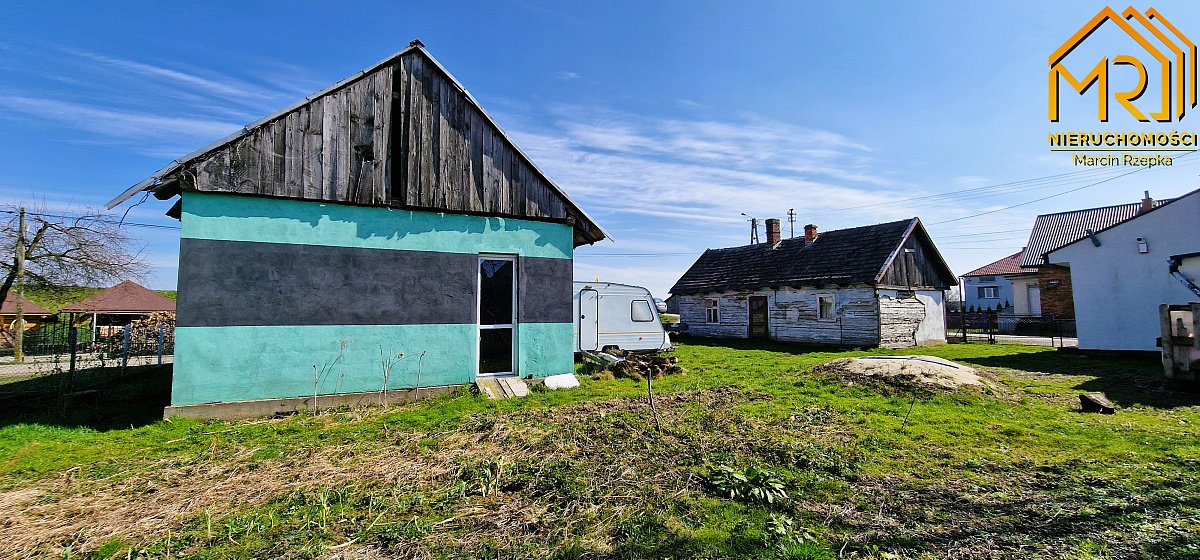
639,310
712,314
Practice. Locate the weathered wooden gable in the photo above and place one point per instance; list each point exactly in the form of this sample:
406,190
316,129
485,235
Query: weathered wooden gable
916,264
402,134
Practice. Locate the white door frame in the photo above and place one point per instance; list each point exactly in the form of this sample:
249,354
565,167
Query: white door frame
511,326
594,320
1030,291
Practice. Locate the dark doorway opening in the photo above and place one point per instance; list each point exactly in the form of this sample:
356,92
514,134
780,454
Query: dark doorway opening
758,317
497,312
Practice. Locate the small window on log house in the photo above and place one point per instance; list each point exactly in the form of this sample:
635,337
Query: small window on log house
911,277
825,307
712,311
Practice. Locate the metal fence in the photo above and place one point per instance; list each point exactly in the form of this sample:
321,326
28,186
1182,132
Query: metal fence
63,339
122,378
987,325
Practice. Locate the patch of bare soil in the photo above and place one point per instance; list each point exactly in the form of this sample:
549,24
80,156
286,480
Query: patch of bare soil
909,370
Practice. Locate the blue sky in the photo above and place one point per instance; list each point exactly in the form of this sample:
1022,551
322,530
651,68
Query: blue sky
664,120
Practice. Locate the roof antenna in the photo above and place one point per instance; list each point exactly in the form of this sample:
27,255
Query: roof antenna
791,222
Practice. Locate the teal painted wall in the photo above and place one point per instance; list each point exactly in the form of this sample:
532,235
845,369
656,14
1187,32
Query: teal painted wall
235,363
217,364
220,364
273,220
545,349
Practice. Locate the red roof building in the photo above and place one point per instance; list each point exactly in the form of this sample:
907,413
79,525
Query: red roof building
112,308
124,298
28,308
1008,265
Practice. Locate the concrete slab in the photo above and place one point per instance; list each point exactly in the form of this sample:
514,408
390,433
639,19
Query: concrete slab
268,407
564,381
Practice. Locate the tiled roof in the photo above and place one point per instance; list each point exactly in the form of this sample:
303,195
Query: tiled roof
844,256
9,307
1008,265
126,297
1052,231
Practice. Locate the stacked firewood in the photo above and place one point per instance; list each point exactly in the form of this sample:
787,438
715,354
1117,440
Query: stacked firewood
633,366
146,329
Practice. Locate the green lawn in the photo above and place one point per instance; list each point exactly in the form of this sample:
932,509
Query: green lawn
1012,471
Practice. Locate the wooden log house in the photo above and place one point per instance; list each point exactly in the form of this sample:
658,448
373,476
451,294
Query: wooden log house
877,285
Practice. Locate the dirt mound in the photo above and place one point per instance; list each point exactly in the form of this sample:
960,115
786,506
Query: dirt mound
922,370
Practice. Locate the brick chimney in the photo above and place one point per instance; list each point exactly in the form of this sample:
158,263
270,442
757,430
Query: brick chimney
810,233
1147,203
772,231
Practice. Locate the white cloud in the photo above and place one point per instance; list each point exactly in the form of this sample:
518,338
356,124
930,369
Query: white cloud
705,170
665,186
222,86
114,123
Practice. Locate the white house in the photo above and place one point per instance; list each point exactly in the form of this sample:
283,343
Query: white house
1122,273
1005,285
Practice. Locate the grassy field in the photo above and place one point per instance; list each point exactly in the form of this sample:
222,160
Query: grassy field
761,455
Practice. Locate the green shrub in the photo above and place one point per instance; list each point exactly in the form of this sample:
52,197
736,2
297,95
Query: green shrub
753,485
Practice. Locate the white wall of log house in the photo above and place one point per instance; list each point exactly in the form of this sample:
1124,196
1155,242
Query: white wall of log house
917,320
860,316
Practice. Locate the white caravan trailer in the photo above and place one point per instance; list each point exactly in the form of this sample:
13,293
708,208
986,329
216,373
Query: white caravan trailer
608,314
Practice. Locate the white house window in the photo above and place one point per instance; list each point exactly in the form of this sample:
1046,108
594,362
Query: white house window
989,292
825,307
639,311
712,312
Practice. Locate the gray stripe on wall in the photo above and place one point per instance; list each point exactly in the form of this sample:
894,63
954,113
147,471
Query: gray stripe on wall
544,291
239,283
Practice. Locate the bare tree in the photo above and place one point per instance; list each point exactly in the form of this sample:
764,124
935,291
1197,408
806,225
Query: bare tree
61,250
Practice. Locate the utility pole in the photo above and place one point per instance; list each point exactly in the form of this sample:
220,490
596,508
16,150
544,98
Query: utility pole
791,222
753,228
19,323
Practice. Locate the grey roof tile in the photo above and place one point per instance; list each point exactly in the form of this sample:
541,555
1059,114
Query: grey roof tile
844,256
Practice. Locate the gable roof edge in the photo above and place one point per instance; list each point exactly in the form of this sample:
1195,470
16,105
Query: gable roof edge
930,246
175,165
1046,256
892,256
157,177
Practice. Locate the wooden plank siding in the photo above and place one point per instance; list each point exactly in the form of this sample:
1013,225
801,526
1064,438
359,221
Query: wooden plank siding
793,315
915,266
403,135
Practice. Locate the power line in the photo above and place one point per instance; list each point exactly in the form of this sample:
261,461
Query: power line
100,219
577,255
1041,199
1011,187
1000,188
984,234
